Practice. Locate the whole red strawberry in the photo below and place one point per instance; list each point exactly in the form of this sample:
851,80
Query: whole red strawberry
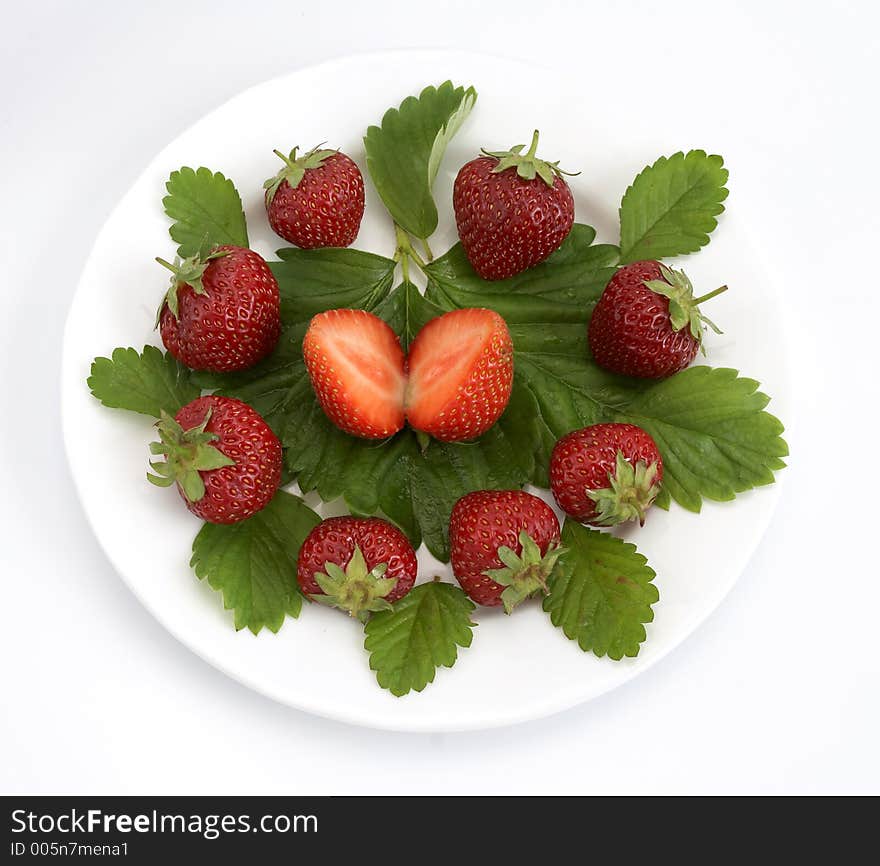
357,370
358,564
606,474
504,544
460,374
512,210
222,311
223,457
647,322
316,200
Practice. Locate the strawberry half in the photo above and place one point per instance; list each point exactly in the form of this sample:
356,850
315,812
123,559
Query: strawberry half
357,369
460,374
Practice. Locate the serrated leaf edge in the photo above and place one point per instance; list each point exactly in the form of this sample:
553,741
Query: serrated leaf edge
461,602
625,254
640,564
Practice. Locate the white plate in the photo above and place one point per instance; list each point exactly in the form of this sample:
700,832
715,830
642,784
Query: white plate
518,667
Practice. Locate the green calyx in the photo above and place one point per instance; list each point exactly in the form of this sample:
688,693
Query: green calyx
527,165
357,589
525,573
295,168
187,272
632,491
683,306
187,453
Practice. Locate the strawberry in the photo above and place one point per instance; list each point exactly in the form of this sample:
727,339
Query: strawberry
357,368
316,200
647,322
222,311
358,564
460,374
512,210
606,474
504,544
222,455
454,386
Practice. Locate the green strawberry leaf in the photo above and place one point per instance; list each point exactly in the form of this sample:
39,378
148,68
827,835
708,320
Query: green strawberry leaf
714,437
145,382
601,592
404,153
407,312
311,281
710,425
671,207
206,209
253,563
422,632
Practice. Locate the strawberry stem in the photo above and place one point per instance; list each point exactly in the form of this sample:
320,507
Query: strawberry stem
527,164
285,159
405,248
423,439
295,168
533,147
709,295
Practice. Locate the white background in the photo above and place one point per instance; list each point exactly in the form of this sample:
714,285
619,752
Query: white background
778,692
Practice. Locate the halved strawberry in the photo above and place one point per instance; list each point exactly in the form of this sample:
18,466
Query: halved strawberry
357,369
460,374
